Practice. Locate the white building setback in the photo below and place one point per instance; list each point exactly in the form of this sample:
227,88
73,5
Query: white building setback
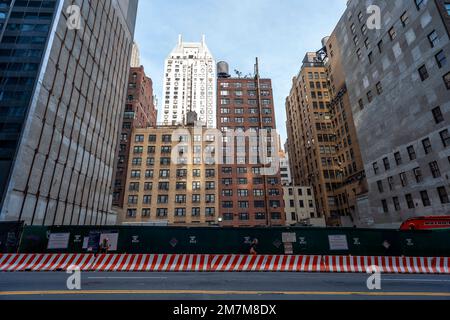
189,84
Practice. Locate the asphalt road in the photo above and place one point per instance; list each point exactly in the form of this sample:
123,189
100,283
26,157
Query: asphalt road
220,286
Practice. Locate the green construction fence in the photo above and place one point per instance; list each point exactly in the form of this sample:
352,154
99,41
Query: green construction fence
276,241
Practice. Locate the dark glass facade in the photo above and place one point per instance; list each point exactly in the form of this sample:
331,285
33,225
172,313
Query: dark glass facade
24,29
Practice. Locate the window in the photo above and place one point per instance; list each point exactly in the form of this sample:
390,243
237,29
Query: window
437,114
410,201
145,213
404,179
147,199
433,38
180,198
361,104
380,186
443,195
418,175
370,56
441,59
161,213
412,153
387,165
131,213
427,146
396,204
379,88
164,174
398,158
419,4
392,33
445,137
404,19
369,96
139,138
423,72
210,212
385,206
447,80
163,186
132,199
425,198
195,212
380,46
375,168
391,183
435,171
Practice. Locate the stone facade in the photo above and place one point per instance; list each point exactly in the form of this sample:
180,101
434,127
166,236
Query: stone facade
398,84
189,84
311,137
299,207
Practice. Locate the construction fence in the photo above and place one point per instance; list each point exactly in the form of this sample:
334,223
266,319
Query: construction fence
270,241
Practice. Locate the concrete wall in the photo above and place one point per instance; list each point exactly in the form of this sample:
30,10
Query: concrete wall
63,171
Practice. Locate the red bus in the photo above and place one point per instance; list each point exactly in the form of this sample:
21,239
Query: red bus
426,223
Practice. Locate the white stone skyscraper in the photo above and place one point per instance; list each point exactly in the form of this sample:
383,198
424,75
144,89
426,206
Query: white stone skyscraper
189,84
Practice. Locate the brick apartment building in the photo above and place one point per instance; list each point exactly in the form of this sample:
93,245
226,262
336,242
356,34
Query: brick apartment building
247,198
140,112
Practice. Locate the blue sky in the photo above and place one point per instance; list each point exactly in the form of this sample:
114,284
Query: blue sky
279,32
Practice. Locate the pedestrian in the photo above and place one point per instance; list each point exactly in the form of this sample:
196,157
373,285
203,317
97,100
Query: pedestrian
253,247
105,245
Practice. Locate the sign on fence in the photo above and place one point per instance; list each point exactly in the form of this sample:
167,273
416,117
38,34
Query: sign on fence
338,242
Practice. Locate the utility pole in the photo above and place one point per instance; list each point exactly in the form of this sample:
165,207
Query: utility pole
261,127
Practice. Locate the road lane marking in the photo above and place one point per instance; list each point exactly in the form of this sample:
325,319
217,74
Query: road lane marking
201,292
132,278
417,280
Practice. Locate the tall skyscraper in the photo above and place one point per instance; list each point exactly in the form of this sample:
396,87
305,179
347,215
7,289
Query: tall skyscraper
398,80
353,187
135,56
248,197
63,76
140,112
190,84
311,137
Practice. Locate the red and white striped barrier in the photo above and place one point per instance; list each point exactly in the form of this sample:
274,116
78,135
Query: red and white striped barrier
437,265
221,263
152,262
45,262
243,263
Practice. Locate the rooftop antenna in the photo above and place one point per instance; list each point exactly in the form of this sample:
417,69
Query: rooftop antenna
203,40
180,40
238,73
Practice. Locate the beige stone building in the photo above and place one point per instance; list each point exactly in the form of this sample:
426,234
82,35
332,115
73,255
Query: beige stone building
300,208
311,137
170,177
